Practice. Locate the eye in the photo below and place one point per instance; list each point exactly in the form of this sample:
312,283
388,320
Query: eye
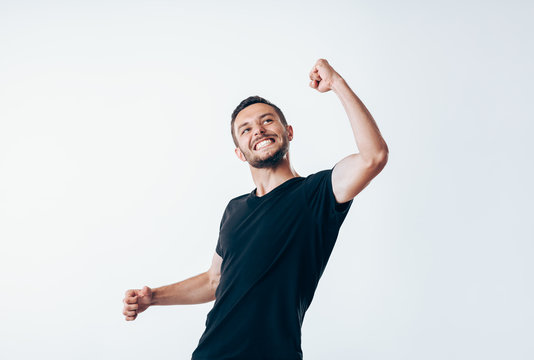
270,120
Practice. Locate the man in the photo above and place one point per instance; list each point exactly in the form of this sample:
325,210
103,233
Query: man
274,242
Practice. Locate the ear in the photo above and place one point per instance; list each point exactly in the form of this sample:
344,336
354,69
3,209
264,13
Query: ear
289,132
240,154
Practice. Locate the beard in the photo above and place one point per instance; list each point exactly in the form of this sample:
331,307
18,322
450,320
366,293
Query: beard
272,161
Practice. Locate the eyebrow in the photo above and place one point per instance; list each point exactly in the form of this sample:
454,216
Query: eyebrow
259,118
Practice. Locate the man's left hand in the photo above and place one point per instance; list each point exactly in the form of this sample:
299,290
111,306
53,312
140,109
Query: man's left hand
322,76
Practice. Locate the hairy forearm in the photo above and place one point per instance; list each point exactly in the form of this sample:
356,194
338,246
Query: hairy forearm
195,290
370,143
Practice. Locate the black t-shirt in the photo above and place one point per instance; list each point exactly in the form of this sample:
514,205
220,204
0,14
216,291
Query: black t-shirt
274,250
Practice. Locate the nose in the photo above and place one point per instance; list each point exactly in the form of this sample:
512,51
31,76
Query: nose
259,130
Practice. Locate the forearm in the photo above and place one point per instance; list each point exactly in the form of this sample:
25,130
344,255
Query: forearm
195,290
370,143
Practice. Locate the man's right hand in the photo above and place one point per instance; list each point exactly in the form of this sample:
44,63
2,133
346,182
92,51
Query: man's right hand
136,301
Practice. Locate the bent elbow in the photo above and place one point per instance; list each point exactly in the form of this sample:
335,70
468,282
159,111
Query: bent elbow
383,158
378,161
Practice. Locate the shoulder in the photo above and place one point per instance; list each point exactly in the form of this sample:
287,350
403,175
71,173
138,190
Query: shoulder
318,175
236,202
318,178
319,182
319,194
238,198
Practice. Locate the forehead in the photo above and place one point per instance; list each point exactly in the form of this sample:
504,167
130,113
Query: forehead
252,112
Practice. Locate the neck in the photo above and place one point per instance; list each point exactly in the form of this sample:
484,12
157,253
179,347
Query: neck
269,178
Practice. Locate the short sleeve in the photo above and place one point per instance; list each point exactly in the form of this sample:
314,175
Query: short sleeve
218,247
322,202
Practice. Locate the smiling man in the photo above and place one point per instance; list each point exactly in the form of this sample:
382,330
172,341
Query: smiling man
274,242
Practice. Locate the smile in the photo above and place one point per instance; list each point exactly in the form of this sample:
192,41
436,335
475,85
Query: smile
263,143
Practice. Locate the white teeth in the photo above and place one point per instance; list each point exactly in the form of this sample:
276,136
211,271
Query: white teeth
263,143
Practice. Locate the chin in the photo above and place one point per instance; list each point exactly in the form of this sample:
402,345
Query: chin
271,161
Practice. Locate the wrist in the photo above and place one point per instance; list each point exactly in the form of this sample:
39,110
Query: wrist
154,299
337,83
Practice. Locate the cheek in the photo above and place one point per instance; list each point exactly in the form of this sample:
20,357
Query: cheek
243,148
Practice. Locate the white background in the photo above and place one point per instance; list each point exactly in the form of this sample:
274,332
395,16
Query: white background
116,163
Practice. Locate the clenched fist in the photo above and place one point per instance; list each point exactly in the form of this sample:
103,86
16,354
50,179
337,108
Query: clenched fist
136,301
323,76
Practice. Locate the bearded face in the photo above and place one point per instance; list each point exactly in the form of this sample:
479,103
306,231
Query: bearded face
263,140
268,151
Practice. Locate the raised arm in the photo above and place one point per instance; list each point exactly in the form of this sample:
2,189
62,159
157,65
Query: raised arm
195,290
354,172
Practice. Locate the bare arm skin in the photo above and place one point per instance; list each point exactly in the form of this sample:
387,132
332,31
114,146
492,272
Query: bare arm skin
195,290
198,289
354,172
